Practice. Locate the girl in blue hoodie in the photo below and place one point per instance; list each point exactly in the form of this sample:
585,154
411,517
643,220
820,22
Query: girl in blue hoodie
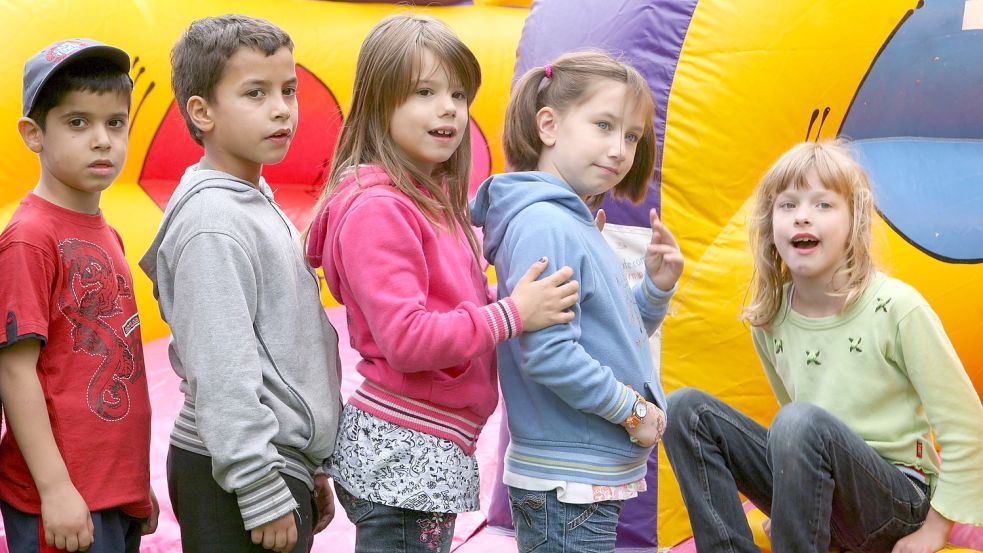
579,397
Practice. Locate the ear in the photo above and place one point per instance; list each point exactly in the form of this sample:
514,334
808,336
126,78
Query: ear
546,120
200,113
31,134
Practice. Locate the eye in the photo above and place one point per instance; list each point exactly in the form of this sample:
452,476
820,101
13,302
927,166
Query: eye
632,137
117,123
424,92
77,123
460,95
824,205
603,125
785,205
255,93
290,91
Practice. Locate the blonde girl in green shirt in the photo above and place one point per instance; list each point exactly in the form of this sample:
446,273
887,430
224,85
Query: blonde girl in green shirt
864,374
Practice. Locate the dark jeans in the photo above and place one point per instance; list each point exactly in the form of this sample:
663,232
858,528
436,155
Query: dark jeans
820,483
384,529
209,516
544,524
115,532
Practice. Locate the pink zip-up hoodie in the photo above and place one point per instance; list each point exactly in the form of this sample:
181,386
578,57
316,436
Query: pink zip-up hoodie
419,310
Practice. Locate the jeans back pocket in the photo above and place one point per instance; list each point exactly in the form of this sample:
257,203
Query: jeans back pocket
529,517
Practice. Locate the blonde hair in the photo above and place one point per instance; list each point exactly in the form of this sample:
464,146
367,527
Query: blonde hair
386,73
572,82
831,162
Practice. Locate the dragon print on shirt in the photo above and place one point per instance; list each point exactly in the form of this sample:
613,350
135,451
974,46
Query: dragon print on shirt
90,297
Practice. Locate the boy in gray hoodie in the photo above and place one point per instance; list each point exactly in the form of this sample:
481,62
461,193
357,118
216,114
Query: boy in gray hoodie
256,354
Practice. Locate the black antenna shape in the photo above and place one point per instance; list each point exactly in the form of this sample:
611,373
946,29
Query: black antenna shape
140,72
822,122
812,121
815,114
136,112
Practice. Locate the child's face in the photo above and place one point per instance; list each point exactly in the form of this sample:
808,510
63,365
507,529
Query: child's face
591,146
429,126
254,113
83,147
811,228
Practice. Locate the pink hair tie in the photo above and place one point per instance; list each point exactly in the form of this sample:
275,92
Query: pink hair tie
548,70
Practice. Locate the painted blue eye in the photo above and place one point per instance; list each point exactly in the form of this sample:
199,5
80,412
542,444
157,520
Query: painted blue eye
915,123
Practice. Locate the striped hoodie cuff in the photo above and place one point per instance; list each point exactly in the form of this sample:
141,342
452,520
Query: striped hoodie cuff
265,500
503,319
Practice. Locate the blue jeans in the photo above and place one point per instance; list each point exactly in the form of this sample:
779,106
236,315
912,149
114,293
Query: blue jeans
115,531
384,529
546,525
820,483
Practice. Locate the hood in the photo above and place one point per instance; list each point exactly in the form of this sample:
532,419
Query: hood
501,197
326,221
194,181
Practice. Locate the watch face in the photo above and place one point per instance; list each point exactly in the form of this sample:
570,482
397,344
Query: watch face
641,409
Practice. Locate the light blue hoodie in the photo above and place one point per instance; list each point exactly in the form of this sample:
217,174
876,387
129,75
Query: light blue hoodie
565,386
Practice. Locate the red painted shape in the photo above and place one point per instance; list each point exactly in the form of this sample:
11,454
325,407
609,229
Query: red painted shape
296,180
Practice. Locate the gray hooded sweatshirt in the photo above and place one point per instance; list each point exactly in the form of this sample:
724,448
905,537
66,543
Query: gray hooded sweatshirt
257,357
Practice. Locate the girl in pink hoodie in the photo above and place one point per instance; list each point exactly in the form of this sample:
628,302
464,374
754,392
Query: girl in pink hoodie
392,232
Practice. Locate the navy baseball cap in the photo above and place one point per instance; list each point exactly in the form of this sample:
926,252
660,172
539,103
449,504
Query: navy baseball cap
39,68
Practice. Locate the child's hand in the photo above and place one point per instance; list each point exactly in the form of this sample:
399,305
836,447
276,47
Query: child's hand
663,260
649,431
930,538
66,519
545,302
324,500
600,219
280,535
150,525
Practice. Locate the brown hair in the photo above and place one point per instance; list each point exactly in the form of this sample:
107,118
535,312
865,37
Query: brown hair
571,83
198,58
386,73
830,161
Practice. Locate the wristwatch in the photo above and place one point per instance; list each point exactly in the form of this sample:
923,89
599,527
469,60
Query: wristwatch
638,412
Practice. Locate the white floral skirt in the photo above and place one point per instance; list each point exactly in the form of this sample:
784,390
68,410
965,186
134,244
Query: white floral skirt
389,464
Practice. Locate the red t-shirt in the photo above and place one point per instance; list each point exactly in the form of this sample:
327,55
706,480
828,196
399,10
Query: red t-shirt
65,282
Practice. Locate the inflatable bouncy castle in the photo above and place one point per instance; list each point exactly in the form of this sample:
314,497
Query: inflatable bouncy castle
736,83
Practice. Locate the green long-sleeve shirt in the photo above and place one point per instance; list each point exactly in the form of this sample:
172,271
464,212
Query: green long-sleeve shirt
886,368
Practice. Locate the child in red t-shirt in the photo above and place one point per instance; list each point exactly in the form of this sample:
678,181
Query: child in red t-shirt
75,458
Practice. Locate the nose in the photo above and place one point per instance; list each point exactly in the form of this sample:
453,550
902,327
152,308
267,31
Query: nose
100,138
448,107
616,147
280,107
802,214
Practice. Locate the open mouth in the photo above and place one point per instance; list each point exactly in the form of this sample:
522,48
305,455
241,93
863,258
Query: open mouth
804,242
442,133
280,135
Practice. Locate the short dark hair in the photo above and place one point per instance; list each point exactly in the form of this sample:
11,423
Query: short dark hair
199,57
85,75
